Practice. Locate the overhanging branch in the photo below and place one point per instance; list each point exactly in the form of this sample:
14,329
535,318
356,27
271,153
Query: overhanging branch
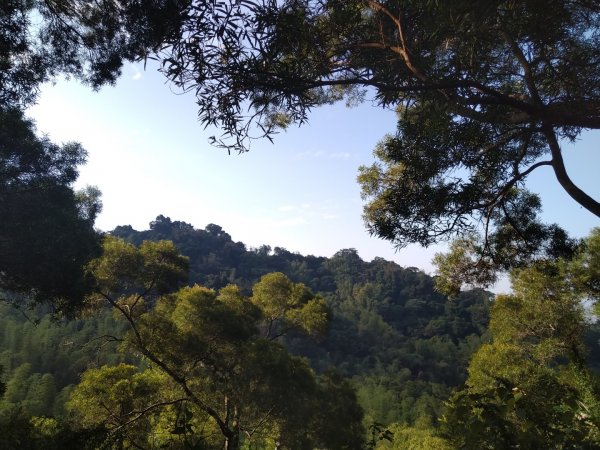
562,176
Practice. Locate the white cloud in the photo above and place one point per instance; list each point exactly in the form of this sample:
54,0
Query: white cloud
260,224
293,222
290,208
309,154
137,74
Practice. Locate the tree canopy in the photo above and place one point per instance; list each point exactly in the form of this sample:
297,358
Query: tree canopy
532,386
217,371
47,230
401,346
88,40
485,94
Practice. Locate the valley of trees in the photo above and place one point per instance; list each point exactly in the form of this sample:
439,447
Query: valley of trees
310,352
379,340
175,337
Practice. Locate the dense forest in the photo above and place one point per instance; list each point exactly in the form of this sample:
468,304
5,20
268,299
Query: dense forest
403,345
389,327
397,363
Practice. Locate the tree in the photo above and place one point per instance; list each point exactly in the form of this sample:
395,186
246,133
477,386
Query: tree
532,387
16,388
91,41
47,234
478,258
413,438
36,433
499,93
403,345
484,95
218,356
286,305
113,397
47,231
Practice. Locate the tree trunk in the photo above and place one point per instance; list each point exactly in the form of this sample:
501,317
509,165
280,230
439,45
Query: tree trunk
232,437
232,442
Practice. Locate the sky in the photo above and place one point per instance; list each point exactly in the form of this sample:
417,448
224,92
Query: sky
149,155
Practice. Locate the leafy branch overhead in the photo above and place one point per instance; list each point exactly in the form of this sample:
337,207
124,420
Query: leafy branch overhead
476,259
485,94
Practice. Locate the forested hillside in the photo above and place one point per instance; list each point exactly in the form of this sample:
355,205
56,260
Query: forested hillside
403,345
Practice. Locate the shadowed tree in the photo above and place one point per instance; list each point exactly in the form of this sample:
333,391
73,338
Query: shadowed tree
46,232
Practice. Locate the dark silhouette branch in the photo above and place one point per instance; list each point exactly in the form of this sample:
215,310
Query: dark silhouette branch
562,176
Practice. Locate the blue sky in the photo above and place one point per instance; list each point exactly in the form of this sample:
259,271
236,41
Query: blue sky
149,155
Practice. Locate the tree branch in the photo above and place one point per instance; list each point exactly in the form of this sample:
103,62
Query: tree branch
165,368
527,71
139,414
403,51
562,176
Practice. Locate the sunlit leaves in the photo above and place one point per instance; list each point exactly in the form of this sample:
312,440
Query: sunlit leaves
113,396
288,305
462,264
216,350
148,271
531,386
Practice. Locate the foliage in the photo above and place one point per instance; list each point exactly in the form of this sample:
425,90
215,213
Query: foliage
413,438
477,260
114,397
91,41
152,269
337,416
210,353
483,94
402,343
44,220
39,433
44,357
286,305
532,387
